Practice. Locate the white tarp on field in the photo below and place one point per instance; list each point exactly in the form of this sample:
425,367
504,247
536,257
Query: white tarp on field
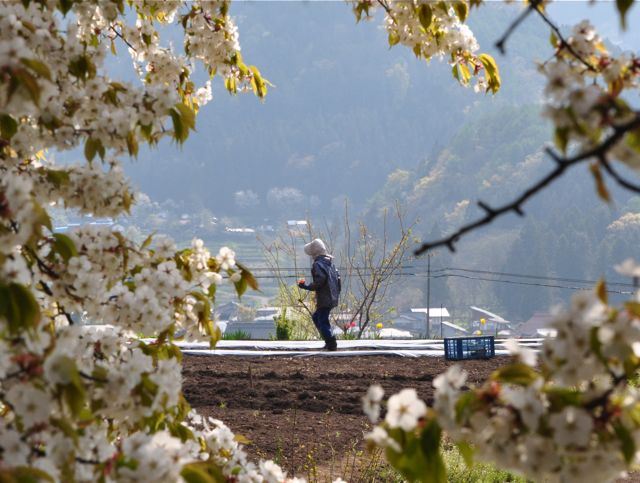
403,348
409,344
321,353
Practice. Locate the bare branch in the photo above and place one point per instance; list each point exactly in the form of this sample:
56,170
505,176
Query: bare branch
500,44
562,164
617,176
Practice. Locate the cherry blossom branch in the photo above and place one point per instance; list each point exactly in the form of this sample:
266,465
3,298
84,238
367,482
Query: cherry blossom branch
562,164
44,268
121,37
563,42
534,6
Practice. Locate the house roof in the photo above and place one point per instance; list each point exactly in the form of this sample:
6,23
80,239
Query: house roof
538,321
490,315
433,311
454,326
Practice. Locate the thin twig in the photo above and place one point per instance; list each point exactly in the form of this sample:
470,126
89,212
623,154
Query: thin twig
500,44
89,377
617,176
121,37
564,44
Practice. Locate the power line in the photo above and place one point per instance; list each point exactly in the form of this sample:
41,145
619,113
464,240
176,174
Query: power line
538,277
469,277
446,269
514,282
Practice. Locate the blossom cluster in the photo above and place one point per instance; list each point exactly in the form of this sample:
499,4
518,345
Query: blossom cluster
95,402
438,30
585,93
573,417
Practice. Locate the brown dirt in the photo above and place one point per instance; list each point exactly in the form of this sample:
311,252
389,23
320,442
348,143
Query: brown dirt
306,412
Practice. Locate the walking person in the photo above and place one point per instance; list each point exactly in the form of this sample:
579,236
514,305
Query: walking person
326,284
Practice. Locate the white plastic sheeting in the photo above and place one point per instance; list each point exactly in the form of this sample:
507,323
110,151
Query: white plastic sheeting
321,353
368,347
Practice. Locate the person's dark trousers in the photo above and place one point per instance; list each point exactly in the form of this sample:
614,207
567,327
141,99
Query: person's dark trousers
321,320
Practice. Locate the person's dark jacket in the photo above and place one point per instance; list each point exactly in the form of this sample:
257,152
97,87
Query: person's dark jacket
326,282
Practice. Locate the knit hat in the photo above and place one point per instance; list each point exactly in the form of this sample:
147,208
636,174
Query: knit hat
315,248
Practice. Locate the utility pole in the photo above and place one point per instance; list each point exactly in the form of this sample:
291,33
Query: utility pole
428,294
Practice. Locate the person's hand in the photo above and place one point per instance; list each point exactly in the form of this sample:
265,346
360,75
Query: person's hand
301,283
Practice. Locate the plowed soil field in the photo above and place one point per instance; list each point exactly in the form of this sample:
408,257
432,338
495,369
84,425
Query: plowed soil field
306,412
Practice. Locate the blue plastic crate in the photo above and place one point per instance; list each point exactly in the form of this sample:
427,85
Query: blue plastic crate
461,348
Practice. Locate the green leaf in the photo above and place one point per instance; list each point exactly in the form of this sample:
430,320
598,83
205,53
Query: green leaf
596,345
204,313
627,442
561,138
493,73
91,148
466,74
425,15
8,126
518,374
466,403
553,40
132,144
147,241
462,10
74,396
180,131
241,286
601,187
65,6
29,82
466,451
41,217
560,397
231,85
19,306
38,67
211,292
623,7
202,473
455,72
24,474
430,444
64,246
394,38
258,83
248,276
633,307
601,291
65,427
57,177
187,114
82,67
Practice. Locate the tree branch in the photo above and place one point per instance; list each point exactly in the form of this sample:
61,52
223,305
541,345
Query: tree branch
500,44
562,164
563,42
617,176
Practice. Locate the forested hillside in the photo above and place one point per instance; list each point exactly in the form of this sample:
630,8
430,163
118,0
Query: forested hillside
567,233
347,117
344,110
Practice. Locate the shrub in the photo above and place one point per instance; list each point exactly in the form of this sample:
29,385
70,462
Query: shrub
284,326
236,335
